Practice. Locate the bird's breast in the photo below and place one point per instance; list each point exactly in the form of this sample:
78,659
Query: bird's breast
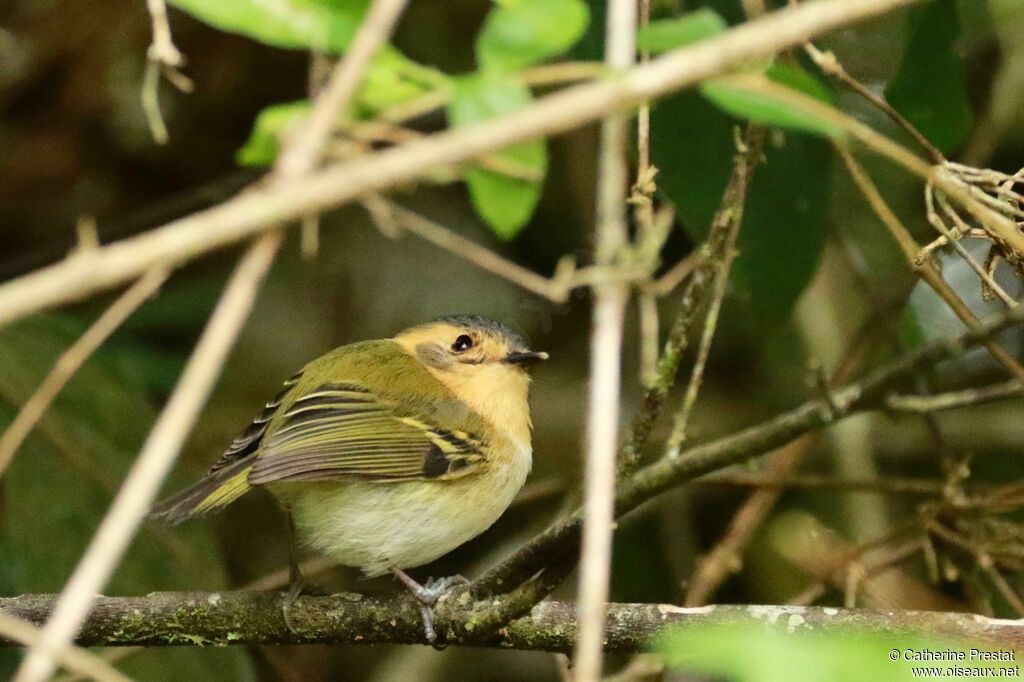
378,527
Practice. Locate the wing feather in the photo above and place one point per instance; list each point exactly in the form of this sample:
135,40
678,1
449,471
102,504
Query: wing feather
341,431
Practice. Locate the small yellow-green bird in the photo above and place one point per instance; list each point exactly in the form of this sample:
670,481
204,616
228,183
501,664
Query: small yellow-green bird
388,454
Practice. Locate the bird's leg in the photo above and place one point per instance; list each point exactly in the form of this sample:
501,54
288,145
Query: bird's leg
296,583
427,595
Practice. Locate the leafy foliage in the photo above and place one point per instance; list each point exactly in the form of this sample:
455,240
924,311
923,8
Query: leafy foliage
786,221
789,650
324,25
930,89
521,33
272,124
743,101
506,203
669,34
515,35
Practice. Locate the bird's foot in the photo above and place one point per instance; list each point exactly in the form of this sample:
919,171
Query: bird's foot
294,592
427,595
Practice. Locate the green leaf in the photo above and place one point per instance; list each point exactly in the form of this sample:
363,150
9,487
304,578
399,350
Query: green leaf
741,98
520,33
929,88
785,647
271,125
392,78
323,25
504,202
669,34
787,216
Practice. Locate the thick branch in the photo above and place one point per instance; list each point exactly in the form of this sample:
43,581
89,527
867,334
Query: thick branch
264,208
222,618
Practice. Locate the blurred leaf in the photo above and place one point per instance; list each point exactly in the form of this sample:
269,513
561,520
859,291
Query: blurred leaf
271,125
668,34
393,78
506,203
323,25
735,97
520,33
930,89
786,220
785,648
59,486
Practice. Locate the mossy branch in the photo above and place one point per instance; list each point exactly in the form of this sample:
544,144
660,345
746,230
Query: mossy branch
226,618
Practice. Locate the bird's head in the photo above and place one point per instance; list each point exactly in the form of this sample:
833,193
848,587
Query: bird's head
484,363
468,344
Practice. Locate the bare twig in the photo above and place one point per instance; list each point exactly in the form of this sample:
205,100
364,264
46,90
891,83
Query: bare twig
866,394
927,271
162,57
927,404
643,200
693,301
302,153
731,221
70,362
154,461
611,242
830,66
724,558
252,212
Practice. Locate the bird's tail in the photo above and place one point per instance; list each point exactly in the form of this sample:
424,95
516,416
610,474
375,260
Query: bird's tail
211,493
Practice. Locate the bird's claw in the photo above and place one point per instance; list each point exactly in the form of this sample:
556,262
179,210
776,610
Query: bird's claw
432,590
427,595
294,592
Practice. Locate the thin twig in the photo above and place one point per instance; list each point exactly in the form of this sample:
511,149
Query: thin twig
693,302
162,57
155,460
391,217
988,210
611,240
889,485
558,73
724,558
830,66
732,220
302,153
257,210
864,395
642,198
71,360
928,404
927,271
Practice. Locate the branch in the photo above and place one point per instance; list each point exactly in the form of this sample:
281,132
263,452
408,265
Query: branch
866,394
158,455
228,618
72,360
927,404
611,242
263,208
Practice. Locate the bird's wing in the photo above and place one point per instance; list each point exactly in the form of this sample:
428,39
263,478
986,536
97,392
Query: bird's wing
248,442
344,430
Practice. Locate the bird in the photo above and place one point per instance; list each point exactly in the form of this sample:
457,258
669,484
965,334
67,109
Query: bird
387,454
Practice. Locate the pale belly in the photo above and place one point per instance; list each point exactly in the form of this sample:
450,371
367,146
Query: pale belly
378,527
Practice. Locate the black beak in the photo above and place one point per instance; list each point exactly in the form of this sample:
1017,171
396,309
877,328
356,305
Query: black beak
526,357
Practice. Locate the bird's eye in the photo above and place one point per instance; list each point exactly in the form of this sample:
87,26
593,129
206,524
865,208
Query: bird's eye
463,343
